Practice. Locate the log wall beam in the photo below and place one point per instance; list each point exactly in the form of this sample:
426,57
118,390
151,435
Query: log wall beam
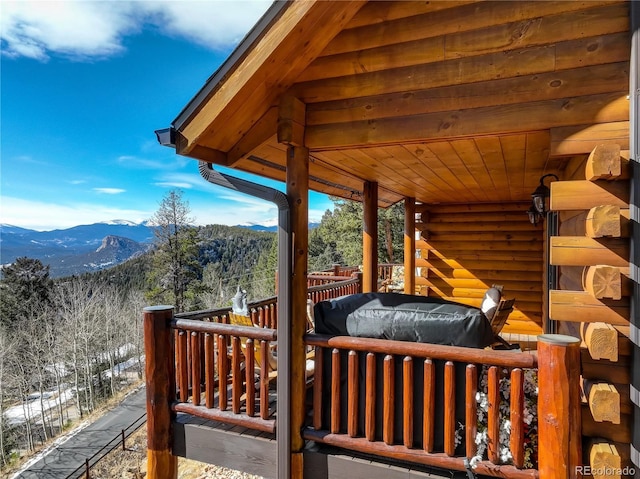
584,195
607,163
291,121
583,251
581,306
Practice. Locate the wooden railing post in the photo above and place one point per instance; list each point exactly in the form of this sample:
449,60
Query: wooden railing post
559,426
161,390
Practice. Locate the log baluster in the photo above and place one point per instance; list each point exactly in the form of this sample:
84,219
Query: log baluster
222,372
317,388
370,398
388,381
429,405
449,409
249,368
407,401
516,395
183,373
335,391
195,368
264,379
471,412
352,397
209,369
493,415
236,374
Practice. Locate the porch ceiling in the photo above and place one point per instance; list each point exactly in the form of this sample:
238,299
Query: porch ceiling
446,102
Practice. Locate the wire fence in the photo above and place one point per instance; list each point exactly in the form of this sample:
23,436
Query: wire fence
118,441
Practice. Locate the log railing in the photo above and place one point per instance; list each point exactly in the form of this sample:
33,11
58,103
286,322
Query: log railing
220,382
220,371
379,397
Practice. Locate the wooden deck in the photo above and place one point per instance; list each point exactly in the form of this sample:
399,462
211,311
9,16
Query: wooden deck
254,452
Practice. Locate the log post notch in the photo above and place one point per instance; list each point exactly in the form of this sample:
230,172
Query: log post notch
161,391
607,162
559,410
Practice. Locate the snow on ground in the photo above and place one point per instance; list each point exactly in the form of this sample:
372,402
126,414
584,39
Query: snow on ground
32,408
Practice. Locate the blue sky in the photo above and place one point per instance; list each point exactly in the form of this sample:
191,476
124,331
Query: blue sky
84,85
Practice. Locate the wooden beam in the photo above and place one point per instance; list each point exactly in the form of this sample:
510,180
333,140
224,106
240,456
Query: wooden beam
603,400
253,84
583,251
581,306
582,139
291,121
599,221
606,163
370,237
583,195
615,432
409,245
601,339
589,80
298,194
604,460
501,119
260,132
602,281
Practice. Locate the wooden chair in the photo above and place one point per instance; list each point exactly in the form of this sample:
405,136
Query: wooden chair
241,320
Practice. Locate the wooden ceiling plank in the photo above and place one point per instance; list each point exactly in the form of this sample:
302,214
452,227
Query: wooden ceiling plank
491,150
479,121
381,11
451,20
472,159
540,31
254,84
514,150
440,169
546,86
427,180
536,160
582,139
449,157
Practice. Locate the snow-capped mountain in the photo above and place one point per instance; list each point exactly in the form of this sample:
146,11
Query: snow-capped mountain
77,249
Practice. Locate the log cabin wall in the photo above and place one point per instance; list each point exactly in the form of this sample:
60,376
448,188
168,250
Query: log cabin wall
591,253
464,249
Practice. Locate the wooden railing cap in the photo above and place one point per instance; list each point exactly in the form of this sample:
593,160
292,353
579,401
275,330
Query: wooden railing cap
558,339
159,307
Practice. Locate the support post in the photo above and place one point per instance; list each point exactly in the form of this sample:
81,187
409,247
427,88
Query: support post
161,390
409,245
559,409
370,238
298,193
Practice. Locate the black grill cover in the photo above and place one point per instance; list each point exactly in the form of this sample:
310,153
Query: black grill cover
404,318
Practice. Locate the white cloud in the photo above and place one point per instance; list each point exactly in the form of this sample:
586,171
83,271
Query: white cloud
109,191
93,29
43,216
174,184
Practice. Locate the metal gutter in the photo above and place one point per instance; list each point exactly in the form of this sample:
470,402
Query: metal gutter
285,268
258,30
634,205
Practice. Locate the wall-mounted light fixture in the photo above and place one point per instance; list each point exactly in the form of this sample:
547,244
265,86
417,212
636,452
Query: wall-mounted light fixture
538,207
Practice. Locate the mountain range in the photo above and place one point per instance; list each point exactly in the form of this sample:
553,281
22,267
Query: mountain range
83,248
